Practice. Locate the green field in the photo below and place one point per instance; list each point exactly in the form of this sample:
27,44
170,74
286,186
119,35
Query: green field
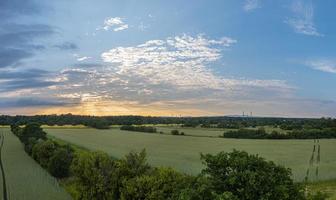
328,187
183,152
25,178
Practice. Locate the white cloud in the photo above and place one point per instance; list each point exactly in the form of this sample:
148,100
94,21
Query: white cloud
83,58
159,75
303,20
177,60
323,65
114,23
250,5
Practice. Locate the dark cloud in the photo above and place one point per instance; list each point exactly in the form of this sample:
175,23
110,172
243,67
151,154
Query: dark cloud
30,102
11,57
28,79
18,42
67,46
31,73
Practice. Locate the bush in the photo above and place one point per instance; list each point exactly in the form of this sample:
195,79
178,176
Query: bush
175,132
43,151
162,184
95,176
32,130
29,146
59,164
249,177
146,129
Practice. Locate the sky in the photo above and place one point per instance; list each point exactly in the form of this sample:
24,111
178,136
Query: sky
168,58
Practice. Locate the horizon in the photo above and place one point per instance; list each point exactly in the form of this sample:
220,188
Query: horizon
158,58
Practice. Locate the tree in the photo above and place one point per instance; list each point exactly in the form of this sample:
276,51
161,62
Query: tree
59,164
249,177
134,164
32,130
162,184
96,176
43,151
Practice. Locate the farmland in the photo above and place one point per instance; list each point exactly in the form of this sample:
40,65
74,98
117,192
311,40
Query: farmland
25,179
183,152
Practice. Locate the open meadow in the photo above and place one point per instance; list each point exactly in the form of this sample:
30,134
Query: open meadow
25,179
183,152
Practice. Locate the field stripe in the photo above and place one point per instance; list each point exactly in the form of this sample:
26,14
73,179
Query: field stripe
2,138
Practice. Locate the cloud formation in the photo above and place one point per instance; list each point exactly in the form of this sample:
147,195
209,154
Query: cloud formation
303,18
161,72
328,66
66,46
19,41
114,23
250,5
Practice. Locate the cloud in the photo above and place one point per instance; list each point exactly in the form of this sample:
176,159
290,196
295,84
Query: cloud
303,18
173,69
180,61
328,66
114,23
250,5
83,58
30,102
20,41
14,80
67,46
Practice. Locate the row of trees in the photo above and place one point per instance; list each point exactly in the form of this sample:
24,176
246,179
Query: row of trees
55,158
296,134
234,175
146,129
220,122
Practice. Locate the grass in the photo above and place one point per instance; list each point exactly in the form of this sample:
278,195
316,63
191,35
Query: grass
25,178
183,152
328,187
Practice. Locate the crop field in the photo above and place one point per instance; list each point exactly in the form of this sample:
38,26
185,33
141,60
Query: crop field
183,152
25,179
207,132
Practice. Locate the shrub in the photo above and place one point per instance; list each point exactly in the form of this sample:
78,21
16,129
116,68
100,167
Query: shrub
32,130
94,176
43,151
249,177
162,184
175,132
146,129
59,164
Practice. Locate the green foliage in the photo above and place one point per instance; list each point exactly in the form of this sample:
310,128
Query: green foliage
98,123
318,196
60,161
43,151
161,184
32,130
296,134
29,145
249,177
146,129
175,132
95,176
135,164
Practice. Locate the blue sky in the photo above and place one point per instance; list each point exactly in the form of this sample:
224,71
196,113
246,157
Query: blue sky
273,58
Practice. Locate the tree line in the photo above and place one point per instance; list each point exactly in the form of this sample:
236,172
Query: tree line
218,122
326,133
87,175
146,129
